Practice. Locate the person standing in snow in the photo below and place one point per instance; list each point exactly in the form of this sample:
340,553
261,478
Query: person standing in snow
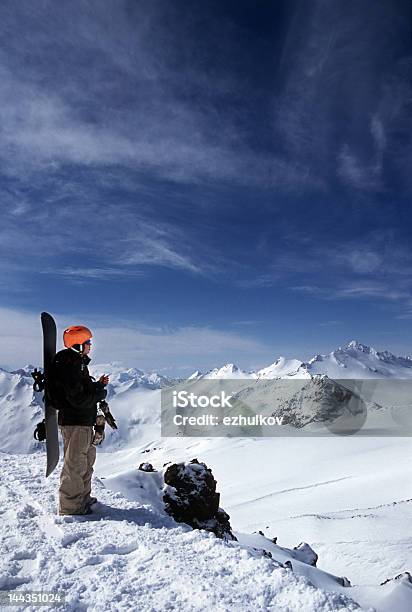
76,395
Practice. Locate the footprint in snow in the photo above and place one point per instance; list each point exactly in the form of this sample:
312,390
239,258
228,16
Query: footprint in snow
73,538
27,512
111,549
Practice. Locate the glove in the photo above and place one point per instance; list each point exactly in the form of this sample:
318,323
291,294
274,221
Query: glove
99,430
110,420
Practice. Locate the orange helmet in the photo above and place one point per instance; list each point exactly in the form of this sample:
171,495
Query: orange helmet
76,334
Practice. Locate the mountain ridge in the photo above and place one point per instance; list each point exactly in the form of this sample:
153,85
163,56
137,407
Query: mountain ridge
353,360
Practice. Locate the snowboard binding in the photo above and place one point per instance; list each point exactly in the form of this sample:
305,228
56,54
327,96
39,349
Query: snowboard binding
40,431
38,377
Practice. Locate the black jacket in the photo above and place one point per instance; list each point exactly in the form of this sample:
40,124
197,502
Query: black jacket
72,390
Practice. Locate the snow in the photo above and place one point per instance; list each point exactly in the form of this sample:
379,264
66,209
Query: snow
281,368
347,497
122,376
355,360
196,375
132,556
229,370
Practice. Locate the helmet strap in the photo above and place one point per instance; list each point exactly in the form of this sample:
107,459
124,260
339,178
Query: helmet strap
77,351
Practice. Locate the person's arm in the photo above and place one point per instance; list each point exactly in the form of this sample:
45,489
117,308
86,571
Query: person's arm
80,391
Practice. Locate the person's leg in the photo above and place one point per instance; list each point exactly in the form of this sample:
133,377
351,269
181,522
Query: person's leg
91,458
71,492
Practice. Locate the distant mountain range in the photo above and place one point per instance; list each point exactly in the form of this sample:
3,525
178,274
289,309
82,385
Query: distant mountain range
355,360
134,403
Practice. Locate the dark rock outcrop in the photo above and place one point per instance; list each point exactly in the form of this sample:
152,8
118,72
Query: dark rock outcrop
405,576
306,554
327,401
190,497
146,467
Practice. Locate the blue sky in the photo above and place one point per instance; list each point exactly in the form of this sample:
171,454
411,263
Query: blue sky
204,182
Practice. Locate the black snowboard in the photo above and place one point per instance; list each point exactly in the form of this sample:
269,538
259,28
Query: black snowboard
49,351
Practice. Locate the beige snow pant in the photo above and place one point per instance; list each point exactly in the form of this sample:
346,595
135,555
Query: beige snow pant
76,475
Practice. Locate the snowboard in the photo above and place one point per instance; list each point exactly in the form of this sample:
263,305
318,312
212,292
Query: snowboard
49,350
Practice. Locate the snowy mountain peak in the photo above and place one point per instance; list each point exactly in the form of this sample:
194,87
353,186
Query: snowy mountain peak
280,368
229,370
25,371
119,374
354,360
358,346
196,375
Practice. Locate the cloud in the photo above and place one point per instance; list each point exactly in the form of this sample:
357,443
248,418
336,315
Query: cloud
115,88
353,172
345,95
331,323
150,247
115,123
365,176
258,282
377,269
134,344
115,240
119,88
97,274
381,290
20,338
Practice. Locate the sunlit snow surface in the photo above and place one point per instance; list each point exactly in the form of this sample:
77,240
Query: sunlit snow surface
349,498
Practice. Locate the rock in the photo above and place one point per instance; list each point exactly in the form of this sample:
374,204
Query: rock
323,400
146,467
343,581
306,554
404,576
190,497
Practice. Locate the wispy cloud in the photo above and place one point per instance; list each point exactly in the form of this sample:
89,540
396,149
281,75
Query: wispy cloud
344,93
135,140
116,88
331,323
130,342
378,268
353,172
138,99
97,274
115,240
151,246
356,290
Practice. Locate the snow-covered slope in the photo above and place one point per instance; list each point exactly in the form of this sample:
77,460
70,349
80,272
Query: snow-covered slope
230,370
122,377
133,395
130,555
355,360
347,497
20,410
282,368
